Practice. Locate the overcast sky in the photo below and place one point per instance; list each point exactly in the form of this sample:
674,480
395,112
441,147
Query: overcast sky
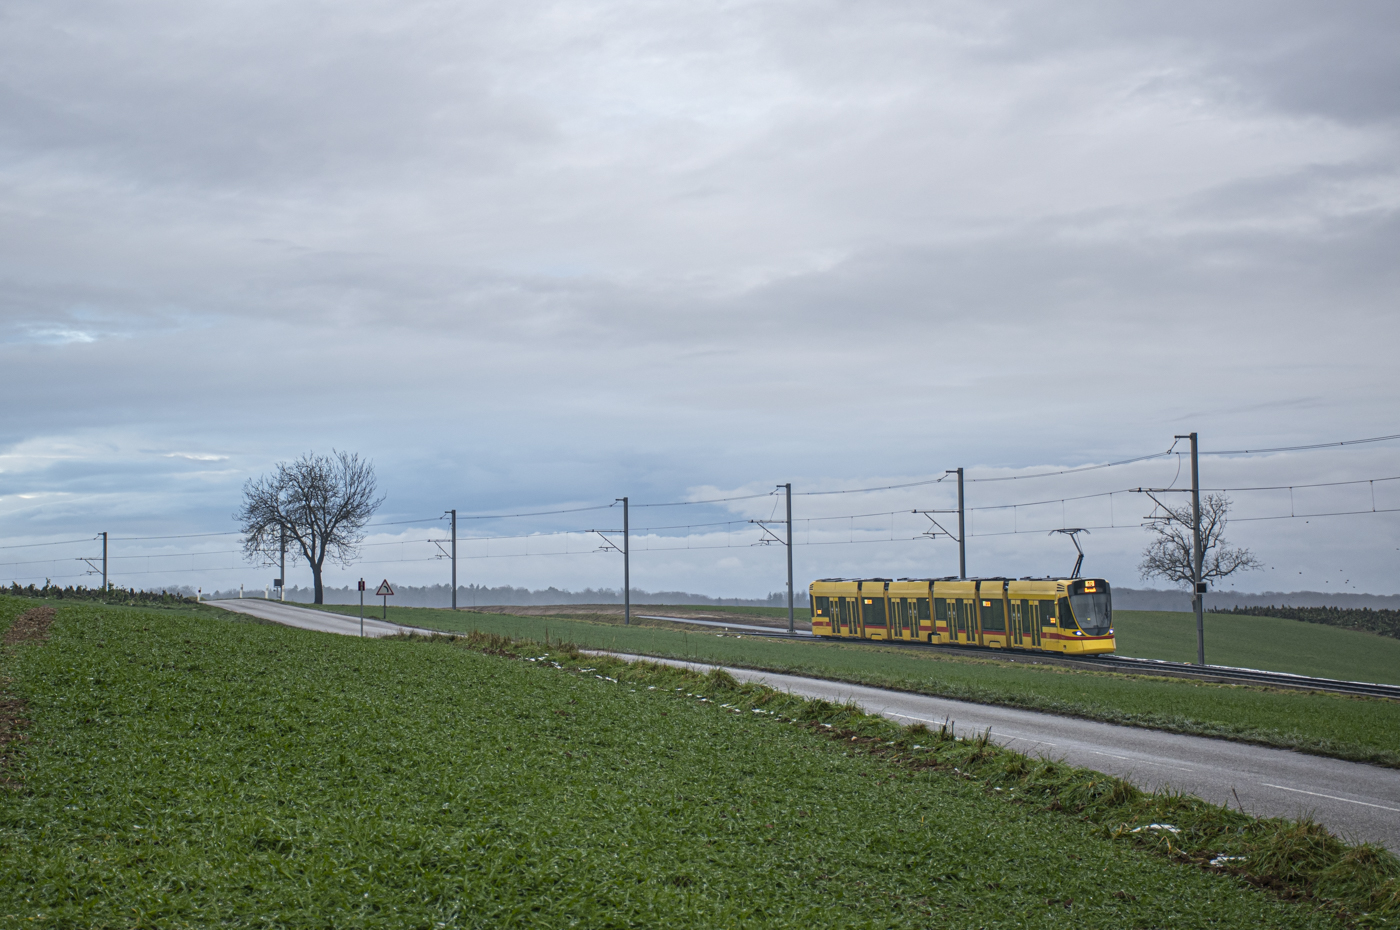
539,256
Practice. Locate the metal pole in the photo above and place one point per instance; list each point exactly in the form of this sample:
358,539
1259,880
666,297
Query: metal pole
962,533
104,562
1197,555
788,489
626,569
454,559
362,607
282,591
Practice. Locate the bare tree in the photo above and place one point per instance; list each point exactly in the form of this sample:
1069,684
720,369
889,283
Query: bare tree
322,502
1169,555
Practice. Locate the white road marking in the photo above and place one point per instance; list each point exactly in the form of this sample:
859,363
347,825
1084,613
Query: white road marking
1331,797
911,717
1179,768
1100,752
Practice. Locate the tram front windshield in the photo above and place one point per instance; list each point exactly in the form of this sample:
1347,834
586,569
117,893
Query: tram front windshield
1093,612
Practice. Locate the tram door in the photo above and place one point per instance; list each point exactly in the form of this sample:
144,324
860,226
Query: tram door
849,616
1032,615
967,620
1017,607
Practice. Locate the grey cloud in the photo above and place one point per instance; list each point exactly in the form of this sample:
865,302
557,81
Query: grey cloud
1336,61
538,253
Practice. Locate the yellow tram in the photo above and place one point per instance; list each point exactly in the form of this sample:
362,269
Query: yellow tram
1073,615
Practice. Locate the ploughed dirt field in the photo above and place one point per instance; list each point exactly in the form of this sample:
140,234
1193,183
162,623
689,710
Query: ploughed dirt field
612,613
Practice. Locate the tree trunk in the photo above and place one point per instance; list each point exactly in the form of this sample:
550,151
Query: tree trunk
320,589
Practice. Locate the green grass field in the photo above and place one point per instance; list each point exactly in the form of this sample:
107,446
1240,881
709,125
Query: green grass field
1261,642
189,768
1352,728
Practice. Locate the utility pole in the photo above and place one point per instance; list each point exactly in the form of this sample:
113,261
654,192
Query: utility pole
1198,584
454,559
104,562
937,529
962,531
626,550
626,569
788,489
1197,555
771,537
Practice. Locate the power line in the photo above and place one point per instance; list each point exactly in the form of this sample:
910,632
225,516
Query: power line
713,500
182,536
888,487
1074,471
1057,500
405,522
687,526
61,542
1323,484
1320,445
1301,516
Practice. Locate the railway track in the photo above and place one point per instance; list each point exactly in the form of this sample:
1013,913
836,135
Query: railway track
1127,665
1230,675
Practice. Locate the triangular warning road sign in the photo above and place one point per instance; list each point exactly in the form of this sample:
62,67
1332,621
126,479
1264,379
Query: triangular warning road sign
384,589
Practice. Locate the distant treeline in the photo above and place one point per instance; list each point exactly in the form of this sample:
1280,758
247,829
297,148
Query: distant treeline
1125,598
127,596
1384,622
440,595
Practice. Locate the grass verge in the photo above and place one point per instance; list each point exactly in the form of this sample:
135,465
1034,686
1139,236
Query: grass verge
192,770
1273,643
1353,728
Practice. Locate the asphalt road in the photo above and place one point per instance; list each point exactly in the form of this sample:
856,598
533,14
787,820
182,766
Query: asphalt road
1355,801
319,620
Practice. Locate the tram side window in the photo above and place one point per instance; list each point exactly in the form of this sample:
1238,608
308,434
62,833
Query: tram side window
1046,610
820,607
923,608
993,617
940,609
1066,617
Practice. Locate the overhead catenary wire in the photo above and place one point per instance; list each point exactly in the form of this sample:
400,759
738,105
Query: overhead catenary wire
706,524
1307,448
61,542
743,497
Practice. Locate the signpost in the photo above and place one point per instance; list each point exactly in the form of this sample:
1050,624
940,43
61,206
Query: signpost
362,607
385,591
